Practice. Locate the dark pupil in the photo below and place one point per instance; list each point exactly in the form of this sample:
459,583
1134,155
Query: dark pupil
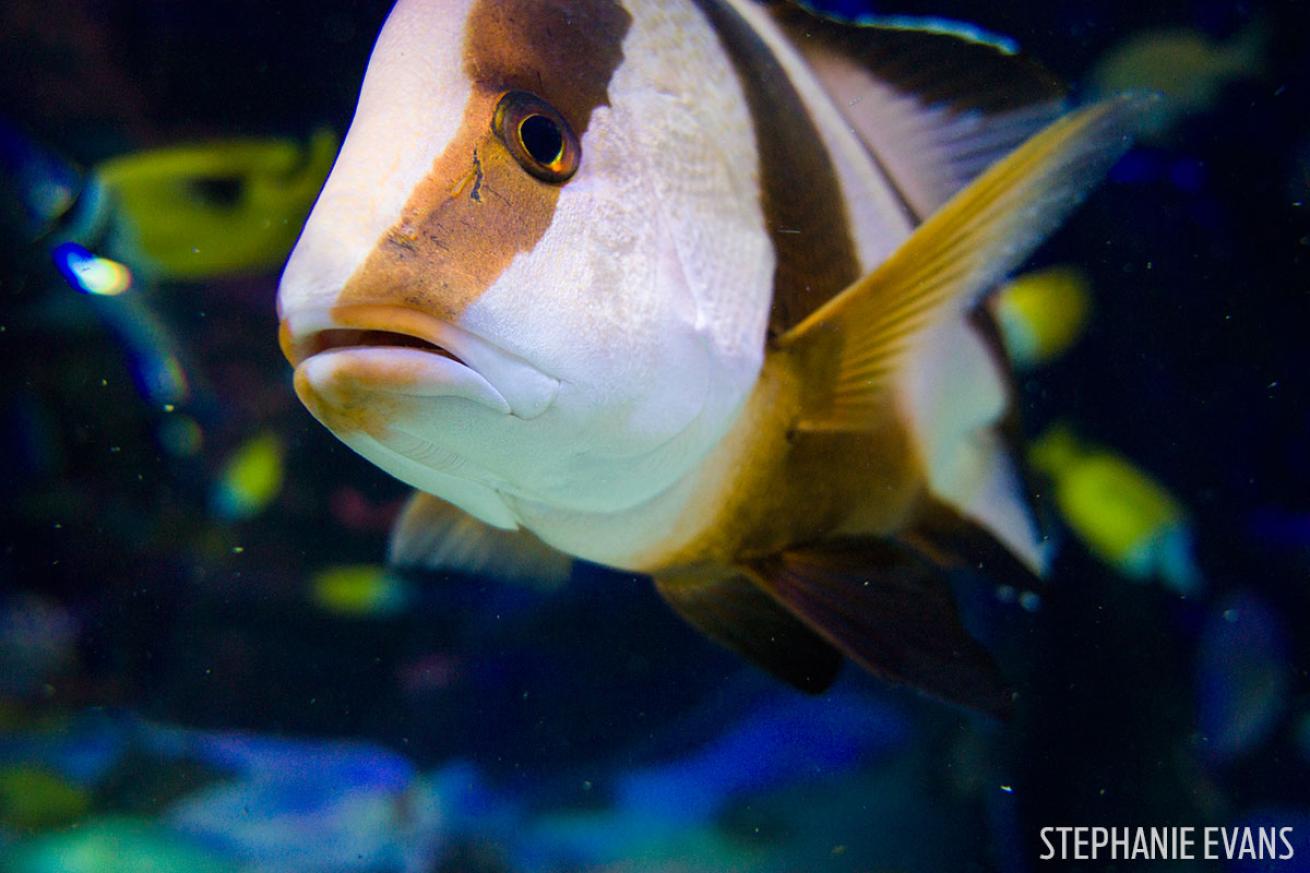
542,138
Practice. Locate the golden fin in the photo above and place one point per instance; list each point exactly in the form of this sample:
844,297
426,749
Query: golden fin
890,611
729,609
435,535
953,258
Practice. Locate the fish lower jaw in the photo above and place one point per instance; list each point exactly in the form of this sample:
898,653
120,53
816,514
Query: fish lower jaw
349,376
385,330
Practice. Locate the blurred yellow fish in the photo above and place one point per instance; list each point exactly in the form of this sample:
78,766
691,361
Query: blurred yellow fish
623,280
1041,314
33,799
1184,65
359,590
1121,514
251,478
215,209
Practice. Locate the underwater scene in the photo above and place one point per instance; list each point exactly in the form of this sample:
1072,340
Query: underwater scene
654,435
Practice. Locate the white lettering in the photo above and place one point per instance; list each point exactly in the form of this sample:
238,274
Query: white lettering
1185,841
1248,845
1050,850
1141,848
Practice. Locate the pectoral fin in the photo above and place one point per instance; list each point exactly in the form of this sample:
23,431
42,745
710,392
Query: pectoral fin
729,609
432,534
856,342
890,611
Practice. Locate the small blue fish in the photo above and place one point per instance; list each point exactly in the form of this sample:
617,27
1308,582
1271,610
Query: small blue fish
44,185
1242,676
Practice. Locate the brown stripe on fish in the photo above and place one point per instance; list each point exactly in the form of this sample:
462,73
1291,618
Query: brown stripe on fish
565,51
804,205
477,208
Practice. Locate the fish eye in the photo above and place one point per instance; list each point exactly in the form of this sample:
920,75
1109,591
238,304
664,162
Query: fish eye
537,136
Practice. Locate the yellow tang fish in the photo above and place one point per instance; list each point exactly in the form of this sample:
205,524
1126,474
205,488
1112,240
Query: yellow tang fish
215,209
359,590
687,288
251,478
1187,68
1121,514
1041,314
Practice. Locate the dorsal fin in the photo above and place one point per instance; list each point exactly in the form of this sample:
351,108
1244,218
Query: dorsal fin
935,104
435,535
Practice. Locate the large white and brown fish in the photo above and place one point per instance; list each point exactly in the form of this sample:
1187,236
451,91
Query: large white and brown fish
689,287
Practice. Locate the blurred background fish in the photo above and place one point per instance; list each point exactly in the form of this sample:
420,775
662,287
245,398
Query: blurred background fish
1041,314
1242,676
251,478
1121,514
188,212
359,589
1185,65
202,211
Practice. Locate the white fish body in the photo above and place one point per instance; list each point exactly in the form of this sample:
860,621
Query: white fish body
579,272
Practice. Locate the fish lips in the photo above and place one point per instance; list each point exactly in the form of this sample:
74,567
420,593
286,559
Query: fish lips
399,351
407,372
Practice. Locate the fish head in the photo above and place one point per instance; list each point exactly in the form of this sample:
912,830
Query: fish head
538,271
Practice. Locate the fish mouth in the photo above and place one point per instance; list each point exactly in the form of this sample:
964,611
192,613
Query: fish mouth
403,351
354,338
304,335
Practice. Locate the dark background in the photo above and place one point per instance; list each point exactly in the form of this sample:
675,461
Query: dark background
1195,367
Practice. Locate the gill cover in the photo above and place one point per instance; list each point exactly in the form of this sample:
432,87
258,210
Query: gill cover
538,275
